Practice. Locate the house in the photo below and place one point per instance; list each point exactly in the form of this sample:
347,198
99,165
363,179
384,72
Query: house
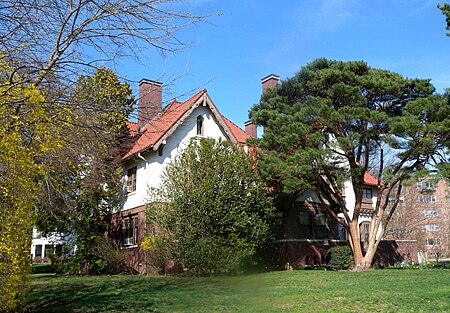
43,248
423,215
159,135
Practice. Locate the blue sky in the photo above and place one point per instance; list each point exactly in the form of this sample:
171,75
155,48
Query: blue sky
252,39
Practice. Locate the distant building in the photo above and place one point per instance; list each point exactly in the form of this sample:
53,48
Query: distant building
423,215
43,248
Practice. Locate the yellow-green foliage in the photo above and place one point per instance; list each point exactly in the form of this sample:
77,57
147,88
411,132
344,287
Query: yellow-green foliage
149,242
24,136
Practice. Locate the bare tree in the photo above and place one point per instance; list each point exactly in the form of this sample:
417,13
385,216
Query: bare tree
407,220
57,39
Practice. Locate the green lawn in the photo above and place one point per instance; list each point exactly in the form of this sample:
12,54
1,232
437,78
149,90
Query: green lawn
290,291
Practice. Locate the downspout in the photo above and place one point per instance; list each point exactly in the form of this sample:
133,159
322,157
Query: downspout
142,158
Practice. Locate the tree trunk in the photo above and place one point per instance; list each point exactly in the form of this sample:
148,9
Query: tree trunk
362,261
355,244
365,261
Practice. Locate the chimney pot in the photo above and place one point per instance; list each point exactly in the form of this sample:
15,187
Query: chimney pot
150,101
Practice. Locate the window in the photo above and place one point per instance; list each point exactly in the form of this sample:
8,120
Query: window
131,179
430,213
38,251
367,193
364,229
431,227
130,231
319,222
433,241
59,250
312,226
49,251
427,198
161,150
391,200
398,231
304,218
342,233
200,125
425,185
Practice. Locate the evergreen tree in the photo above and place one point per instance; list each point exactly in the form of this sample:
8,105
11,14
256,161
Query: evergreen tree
334,121
445,8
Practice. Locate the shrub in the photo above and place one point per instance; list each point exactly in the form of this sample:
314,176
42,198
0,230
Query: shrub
105,257
340,257
211,214
109,258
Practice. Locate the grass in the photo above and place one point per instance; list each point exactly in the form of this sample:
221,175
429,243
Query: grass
290,291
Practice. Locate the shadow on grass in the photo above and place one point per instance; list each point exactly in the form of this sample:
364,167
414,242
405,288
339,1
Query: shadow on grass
95,294
294,291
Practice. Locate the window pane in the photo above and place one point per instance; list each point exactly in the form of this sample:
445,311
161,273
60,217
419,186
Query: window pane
367,193
38,251
131,179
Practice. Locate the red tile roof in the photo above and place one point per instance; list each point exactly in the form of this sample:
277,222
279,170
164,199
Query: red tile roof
133,128
369,179
240,135
165,120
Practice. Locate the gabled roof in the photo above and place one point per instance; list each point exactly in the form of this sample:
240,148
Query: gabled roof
167,121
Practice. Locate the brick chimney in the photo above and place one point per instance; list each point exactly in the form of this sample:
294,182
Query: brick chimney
150,101
269,81
250,129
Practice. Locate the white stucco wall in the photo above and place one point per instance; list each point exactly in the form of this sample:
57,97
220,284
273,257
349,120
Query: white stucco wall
149,170
350,201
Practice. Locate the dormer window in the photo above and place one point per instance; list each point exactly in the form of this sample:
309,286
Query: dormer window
199,125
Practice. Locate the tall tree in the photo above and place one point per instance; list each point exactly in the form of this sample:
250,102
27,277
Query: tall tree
334,121
445,8
81,186
211,213
60,37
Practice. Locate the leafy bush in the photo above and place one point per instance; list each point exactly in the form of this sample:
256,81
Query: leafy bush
340,257
105,258
211,214
110,259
